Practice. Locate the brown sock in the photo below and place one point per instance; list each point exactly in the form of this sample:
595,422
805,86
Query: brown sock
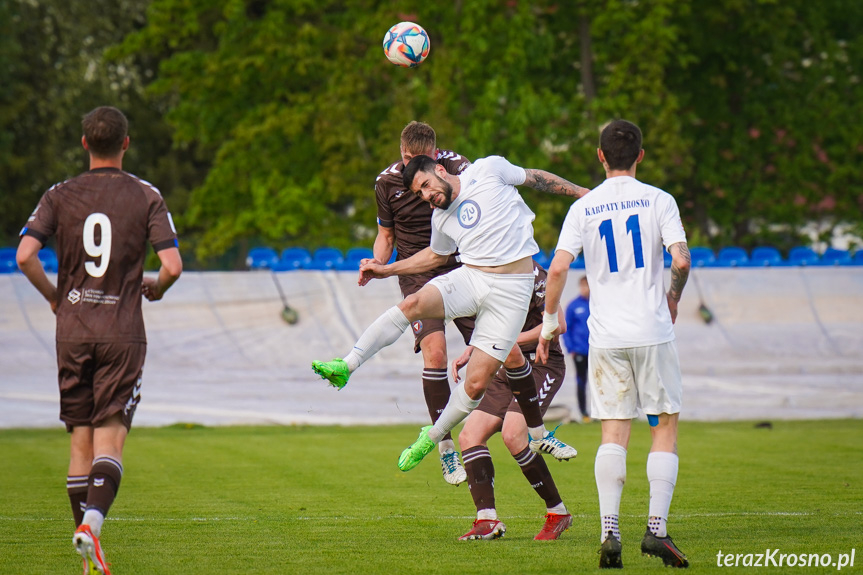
536,472
523,389
76,487
105,478
480,476
436,391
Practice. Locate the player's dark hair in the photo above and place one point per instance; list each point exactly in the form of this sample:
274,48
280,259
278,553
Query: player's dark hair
418,164
620,143
105,130
418,137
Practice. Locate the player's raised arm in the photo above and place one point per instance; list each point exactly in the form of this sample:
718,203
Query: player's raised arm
552,183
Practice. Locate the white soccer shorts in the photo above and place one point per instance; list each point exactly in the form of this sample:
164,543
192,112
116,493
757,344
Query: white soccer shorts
499,302
622,380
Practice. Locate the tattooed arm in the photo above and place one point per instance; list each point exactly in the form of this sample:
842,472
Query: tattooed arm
680,263
553,184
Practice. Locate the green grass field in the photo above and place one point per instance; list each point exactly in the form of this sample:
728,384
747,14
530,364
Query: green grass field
331,500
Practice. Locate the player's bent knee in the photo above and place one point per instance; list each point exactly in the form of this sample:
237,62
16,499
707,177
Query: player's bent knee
514,439
434,351
409,306
514,359
468,438
475,389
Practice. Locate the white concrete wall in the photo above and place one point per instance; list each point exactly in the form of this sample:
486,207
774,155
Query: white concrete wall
786,343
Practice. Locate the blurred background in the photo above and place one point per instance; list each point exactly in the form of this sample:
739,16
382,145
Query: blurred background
265,122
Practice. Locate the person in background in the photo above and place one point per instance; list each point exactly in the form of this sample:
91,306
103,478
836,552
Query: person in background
575,340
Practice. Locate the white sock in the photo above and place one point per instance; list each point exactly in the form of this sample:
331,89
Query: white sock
457,408
536,432
384,331
446,444
610,472
662,475
609,525
487,514
94,519
559,509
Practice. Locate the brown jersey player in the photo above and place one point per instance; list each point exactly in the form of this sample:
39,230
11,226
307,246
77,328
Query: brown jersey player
102,221
499,411
404,222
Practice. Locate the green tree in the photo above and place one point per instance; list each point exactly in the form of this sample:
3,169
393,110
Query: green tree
53,71
771,96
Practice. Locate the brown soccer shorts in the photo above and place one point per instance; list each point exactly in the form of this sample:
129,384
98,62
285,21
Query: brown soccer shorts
98,380
498,398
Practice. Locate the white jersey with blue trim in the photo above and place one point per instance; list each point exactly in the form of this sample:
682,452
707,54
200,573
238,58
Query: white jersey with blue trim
488,223
621,226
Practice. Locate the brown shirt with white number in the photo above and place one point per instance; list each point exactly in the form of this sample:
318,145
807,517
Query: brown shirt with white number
103,220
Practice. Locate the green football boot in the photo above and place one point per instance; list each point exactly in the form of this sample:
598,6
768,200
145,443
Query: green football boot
412,456
335,371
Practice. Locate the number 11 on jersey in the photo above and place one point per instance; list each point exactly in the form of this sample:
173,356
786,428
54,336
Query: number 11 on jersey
606,232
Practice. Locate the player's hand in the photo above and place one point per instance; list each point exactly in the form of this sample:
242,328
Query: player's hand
151,289
672,307
370,270
54,306
363,262
542,350
460,362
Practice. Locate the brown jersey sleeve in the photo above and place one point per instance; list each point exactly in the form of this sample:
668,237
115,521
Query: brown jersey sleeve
453,162
160,226
42,223
386,215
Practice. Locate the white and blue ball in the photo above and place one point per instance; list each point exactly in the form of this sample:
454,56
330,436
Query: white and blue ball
406,44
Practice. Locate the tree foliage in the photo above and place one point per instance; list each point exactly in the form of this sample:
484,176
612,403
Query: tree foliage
283,112
52,72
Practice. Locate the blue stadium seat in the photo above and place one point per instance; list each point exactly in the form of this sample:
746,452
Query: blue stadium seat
732,256
393,257
8,265
702,257
544,258
666,258
353,257
326,259
293,259
802,256
765,256
261,258
834,257
858,257
48,257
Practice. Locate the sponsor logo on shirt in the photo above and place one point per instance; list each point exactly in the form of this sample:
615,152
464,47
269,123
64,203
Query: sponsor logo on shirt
417,326
469,214
399,194
74,296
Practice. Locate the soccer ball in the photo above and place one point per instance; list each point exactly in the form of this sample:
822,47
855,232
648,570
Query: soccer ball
406,44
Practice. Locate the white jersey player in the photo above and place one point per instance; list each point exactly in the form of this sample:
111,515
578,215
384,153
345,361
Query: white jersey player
481,214
621,227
